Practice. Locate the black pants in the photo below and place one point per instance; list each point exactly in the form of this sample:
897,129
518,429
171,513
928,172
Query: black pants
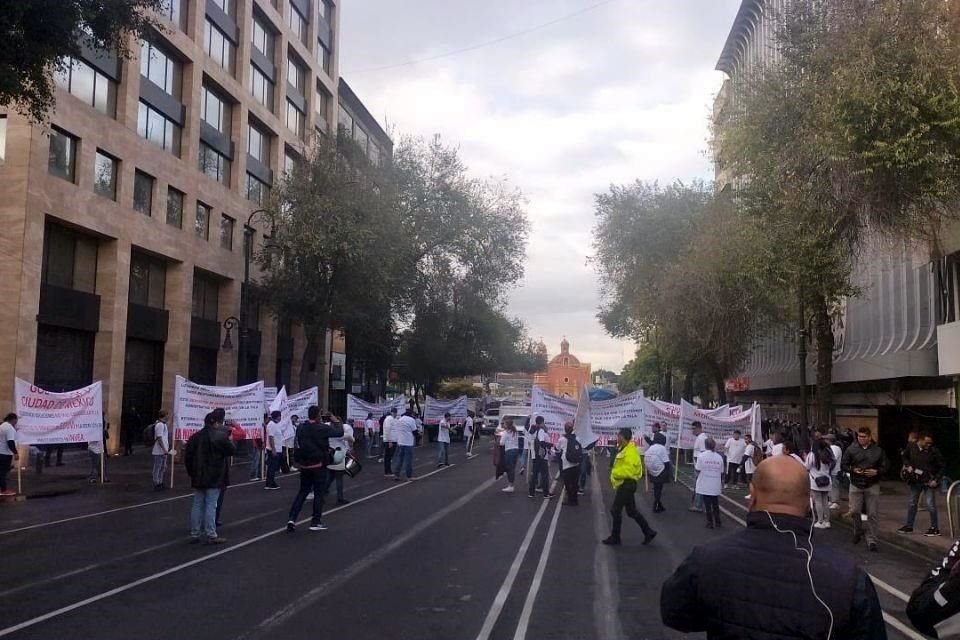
389,448
5,463
711,506
733,472
623,499
284,461
571,483
539,471
657,492
311,480
48,451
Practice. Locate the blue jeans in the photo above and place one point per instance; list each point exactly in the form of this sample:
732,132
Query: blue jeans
523,459
510,463
159,465
442,450
273,465
255,471
697,501
405,461
203,515
930,497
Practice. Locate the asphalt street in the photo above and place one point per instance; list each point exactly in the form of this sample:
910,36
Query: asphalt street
446,556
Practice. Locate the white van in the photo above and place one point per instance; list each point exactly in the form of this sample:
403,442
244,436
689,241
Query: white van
519,413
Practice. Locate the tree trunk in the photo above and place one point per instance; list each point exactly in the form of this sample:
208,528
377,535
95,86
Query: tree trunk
688,385
314,353
823,328
721,386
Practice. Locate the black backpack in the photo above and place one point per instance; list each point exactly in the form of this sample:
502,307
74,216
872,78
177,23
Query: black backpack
574,452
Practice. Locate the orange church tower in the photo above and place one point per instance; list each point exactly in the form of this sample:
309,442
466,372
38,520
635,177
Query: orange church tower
565,374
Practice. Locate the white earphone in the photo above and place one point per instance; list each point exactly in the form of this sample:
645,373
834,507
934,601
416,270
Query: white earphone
809,554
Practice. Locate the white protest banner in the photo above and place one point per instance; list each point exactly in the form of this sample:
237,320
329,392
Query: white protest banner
357,409
191,402
583,420
297,405
607,417
269,395
46,417
554,410
666,414
717,427
435,409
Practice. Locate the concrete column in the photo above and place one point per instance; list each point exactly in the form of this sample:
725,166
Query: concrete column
179,302
113,280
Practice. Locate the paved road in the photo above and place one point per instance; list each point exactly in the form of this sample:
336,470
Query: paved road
446,556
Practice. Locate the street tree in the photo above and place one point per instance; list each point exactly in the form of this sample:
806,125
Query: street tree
852,135
39,35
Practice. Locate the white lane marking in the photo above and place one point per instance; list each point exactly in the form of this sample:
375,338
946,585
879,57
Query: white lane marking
900,595
501,598
606,597
180,567
902,628
310,598
524,621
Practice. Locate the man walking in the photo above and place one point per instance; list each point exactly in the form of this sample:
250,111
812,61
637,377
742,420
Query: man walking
809,593
865,462
404,429
371,427
923,467
539,469
274,444
8,451
625,475
710,482
733,449
699,446
312,455
389,443
344,444
443,442
161,449
468,434
206,460
571,455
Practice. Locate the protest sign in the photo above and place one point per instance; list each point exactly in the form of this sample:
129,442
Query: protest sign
717,427
47,417
435,409
357,409
607,417
554,410
191,402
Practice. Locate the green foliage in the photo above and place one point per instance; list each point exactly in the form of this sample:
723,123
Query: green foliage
453,390
39,34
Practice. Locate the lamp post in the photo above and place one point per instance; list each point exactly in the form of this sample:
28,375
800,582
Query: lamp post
230,324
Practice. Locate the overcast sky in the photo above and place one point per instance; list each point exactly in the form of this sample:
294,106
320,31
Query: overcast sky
620,92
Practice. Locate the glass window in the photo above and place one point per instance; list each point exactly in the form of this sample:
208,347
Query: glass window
69,259
295,74
323,57
263,39
214,164
160,68
344,120
202,223
258,144
142,192
257,191
154,126
62,161
290,161
215,111
360,136
326,10
218,46
261,87
148,280
174,208
206,293
226,232
297,24
227,6
173,10
373,151
3,139
321,103
294,119
105,175
88,84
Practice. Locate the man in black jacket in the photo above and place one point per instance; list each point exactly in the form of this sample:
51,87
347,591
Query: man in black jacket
312,453
922,468
865,462
746,600
934,608
206,459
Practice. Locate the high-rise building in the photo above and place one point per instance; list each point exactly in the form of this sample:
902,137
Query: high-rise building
887,373
129,221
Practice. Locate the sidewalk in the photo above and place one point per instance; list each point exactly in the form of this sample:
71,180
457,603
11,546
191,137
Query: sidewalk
894,496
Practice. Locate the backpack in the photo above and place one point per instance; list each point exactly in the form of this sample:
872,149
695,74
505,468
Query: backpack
149,436
574,452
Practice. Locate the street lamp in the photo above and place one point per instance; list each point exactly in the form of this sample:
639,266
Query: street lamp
230,324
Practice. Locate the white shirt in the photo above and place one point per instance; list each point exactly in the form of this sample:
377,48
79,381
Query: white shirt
510,440
403,429
388,424
656,457
818,469
370,425
699,445
734,449
443,431
748,466
344,443
768,447
562,450
160,431
539,436
710,480
776,450
837,455
468,427
7,433
274,429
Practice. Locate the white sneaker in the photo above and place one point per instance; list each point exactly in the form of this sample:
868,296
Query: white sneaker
747,497
818,525
834,506
310,496
825,525
508,489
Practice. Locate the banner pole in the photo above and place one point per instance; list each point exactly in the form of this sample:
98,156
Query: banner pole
676,466
103,468
19,479
173,459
